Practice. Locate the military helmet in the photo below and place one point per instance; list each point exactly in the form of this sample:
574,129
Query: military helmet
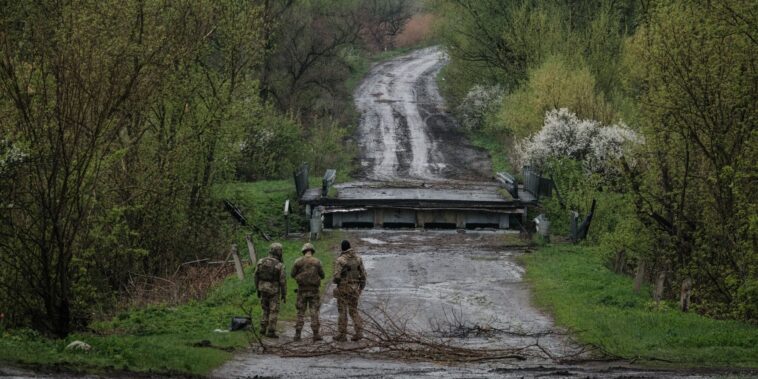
275,249
306,247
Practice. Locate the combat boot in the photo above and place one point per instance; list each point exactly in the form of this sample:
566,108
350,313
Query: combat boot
272,334
297,334
316,336
341,337
357,337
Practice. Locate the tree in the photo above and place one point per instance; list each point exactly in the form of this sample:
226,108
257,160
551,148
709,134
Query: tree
70,72
693,70
384,20
310,69
118,119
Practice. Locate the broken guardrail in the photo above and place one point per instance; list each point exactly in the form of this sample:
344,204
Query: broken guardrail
329,177
536,184
301,180
509,182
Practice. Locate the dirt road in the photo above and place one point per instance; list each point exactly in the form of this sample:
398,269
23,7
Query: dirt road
405,132
431,281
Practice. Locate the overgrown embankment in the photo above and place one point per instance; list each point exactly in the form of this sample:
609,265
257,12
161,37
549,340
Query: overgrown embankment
600,308
169,338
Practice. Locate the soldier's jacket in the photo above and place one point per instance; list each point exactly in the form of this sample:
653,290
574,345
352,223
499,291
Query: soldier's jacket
349,271
270,276
308,273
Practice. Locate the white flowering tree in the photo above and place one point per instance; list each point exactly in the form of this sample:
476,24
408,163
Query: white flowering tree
564,135
10,155
479,102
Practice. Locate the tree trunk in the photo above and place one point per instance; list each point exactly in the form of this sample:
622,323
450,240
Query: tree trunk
639,277
660,281
619,265
684,295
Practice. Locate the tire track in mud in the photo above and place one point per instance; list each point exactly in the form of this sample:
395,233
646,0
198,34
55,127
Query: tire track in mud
405,132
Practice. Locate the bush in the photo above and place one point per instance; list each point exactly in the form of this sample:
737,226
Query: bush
272,147
327,148
564,135
478,105
555,84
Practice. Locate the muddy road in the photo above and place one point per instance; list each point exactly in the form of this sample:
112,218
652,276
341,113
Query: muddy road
405,132
430,281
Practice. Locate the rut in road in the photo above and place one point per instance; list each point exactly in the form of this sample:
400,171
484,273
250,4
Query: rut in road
405,132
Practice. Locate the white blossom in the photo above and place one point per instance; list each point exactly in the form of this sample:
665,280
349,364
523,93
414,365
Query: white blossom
479,102
10,155
564,135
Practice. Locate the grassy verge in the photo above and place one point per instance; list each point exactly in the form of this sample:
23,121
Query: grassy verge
600,308
496,150
164,339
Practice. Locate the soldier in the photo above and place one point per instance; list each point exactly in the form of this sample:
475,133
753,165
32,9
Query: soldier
308,273
271,283
350,277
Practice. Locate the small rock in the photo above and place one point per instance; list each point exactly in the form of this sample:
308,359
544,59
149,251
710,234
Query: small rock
79,345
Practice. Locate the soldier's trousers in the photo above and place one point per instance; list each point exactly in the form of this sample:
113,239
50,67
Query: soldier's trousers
270,306
347,303
308,301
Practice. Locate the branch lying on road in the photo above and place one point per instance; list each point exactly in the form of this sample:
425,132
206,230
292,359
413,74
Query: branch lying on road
390,338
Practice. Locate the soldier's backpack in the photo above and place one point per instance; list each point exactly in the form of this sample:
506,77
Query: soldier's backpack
268,269
351,270
309,276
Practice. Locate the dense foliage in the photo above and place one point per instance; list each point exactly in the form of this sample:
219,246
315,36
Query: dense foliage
659,107
118,118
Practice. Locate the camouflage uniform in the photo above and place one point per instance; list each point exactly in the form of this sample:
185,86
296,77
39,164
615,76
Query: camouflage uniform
271,283
308,273
350,277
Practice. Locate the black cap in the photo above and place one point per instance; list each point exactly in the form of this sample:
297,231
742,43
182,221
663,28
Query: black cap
345,245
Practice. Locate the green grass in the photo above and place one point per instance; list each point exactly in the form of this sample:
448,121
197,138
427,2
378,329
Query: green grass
160,338
496,150
262,203
601,309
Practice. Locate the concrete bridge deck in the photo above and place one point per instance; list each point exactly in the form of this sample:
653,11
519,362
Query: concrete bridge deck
420,204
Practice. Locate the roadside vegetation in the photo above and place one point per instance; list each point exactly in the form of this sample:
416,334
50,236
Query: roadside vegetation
188,338
597,305
123,128
167,333
648,108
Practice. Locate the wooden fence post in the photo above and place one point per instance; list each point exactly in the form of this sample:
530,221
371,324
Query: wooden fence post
251,249
237,262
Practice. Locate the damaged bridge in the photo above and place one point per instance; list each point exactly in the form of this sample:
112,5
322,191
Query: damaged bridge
448,204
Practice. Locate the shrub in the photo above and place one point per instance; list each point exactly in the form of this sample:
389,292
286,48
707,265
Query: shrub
555,84
271,148
480,102
564,135
326,148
